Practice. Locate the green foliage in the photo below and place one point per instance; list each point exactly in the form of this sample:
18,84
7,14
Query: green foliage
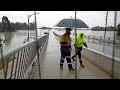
118,29
6,25
5,62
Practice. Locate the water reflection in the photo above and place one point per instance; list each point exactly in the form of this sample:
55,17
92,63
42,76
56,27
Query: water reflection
13,39
8,36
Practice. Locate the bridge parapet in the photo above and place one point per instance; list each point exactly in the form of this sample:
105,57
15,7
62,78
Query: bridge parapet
17,62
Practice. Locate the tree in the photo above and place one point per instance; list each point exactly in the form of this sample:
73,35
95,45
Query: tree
0,26
32,26
118,29
6,26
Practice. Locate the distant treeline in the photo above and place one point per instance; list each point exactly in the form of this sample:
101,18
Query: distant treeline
45,27
19,26
109,28
7,26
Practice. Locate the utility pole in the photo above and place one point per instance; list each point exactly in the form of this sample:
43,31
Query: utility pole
106,23
75,49
105,28
28,27
29,24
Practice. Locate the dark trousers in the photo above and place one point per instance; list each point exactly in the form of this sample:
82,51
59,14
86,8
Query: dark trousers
66,55
79,49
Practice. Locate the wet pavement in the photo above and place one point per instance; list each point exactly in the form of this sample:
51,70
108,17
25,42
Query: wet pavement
50,59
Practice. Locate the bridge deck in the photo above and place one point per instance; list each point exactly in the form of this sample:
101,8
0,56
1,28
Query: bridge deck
50,59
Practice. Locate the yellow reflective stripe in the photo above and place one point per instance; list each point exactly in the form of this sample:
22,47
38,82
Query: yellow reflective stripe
68,57
69,63
65,45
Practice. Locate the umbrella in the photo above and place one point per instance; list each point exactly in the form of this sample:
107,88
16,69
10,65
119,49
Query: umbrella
71,23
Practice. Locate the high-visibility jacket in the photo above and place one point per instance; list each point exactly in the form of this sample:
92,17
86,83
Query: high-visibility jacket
80,41
65,42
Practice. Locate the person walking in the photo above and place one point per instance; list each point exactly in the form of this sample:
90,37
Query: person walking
79,42
65,43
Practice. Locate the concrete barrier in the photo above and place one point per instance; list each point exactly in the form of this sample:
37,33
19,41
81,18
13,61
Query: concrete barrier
103,61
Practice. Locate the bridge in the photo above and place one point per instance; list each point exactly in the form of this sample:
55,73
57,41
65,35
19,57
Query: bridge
40,60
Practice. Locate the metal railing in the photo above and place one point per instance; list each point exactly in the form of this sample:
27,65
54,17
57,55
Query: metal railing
17,62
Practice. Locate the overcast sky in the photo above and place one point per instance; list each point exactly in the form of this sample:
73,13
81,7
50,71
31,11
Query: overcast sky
50,18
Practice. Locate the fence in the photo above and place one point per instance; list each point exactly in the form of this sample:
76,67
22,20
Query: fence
17,62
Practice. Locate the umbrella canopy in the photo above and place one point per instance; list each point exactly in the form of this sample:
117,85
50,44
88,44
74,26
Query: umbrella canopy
71,23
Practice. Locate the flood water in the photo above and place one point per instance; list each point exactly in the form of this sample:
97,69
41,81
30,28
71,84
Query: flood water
14,39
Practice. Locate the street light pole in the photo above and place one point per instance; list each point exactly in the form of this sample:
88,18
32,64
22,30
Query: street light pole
37,46
35,24
29,24
105,29
28,27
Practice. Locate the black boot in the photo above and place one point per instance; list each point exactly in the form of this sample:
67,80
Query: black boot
71,69
81,64
61,67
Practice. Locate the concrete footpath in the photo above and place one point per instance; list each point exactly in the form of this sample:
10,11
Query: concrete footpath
50,59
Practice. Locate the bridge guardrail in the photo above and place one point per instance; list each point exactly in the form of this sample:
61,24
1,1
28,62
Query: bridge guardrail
17,62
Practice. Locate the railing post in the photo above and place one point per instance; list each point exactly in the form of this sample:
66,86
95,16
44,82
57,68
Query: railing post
93,39
115,22
37,46
75,49
100,39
